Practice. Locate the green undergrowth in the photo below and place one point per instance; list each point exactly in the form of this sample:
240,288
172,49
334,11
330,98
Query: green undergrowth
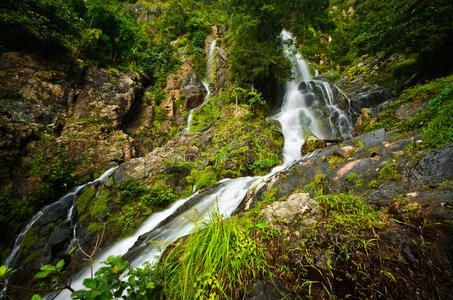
333,251
243,143
219,261
122,207
341,255
434,120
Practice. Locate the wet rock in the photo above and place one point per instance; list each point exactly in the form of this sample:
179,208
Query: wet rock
60,235
372,138
438,164
311,144
409,110
222,80
362,121
372,97
346,151
195,95
362,93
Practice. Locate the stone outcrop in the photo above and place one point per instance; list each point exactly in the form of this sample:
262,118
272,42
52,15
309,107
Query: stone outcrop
34,95
363,94
297,204
312,143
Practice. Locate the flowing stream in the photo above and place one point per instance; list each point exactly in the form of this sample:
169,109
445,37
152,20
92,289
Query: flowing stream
67,202
298,117
205,85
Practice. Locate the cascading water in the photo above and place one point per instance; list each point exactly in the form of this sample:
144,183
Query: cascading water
205,85
308,106
67,201
210,61
296,117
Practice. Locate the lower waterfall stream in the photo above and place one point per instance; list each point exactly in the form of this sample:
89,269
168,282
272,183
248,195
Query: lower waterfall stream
308,108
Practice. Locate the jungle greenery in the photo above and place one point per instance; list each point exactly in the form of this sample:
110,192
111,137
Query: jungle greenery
413,36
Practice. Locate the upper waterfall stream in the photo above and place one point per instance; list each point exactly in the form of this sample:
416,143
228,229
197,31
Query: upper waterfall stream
205,85
304,111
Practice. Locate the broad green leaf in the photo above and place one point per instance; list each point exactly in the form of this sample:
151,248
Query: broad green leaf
90,283
48,268
59,265
2,271
42,274
36,297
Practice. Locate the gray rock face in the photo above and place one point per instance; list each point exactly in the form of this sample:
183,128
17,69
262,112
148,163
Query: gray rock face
437,165
106,97
363,94
372,138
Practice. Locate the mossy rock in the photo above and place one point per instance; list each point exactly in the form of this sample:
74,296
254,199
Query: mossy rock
311,144
84,199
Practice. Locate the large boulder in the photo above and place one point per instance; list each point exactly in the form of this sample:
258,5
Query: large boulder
297,204
363,94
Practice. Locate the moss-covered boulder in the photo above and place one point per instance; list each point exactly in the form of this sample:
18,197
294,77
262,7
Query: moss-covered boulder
312,143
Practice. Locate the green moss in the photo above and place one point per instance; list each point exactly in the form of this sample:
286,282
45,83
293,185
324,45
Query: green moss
31,237
84,199
114,72
100,204
270,196
95,227
32,256
203,117
433,121
351,177
334,161
261,166
389,172
202,178
439,129
359,183
373,184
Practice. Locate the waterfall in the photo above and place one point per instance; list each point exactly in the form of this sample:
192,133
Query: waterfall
298,116
308,106
67,199
210,61
205,85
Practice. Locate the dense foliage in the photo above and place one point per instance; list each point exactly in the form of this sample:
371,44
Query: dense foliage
412,38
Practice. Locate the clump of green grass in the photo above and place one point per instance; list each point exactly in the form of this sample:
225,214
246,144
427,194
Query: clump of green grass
219,261
318,186
389,172
351,177
334,161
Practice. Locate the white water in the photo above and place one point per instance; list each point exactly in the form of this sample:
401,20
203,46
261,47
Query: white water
302,112
71,195
209,70
293,118
205,85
